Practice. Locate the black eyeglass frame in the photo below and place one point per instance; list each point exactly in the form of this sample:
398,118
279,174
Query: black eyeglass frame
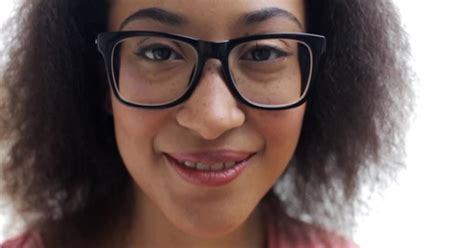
107,41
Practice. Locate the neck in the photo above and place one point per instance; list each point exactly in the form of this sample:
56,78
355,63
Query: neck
150,228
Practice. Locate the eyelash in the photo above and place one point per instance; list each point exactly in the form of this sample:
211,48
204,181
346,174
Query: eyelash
147,52
275,53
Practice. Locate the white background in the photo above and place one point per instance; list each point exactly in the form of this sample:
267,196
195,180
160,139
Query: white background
432,204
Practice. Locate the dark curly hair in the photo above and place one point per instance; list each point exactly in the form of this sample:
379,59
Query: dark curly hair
62,169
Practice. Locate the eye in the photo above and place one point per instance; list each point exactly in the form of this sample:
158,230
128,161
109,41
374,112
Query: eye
263,53
159,53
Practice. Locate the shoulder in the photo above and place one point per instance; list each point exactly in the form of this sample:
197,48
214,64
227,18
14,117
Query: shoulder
322,238
297,234
26,240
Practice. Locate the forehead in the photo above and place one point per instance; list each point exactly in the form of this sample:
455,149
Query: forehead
214,17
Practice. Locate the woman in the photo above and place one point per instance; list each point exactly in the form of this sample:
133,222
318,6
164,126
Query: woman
200,123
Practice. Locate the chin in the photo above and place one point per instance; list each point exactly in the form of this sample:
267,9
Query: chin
210,226
209,230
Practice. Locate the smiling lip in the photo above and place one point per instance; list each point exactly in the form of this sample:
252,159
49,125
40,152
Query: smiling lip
209,178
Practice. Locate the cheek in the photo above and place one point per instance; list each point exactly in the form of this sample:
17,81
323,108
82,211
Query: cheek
135,130
281,132
281,129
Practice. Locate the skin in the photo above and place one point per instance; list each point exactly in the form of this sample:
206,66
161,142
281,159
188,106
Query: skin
169,211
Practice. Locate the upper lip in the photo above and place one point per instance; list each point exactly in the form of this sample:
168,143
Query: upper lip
211,157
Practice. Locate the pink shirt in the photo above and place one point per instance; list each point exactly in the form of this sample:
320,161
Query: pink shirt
27,240
314,239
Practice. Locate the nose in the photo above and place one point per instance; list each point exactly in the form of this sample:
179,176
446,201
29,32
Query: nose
211,110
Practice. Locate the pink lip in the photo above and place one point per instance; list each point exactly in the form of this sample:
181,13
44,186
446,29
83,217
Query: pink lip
209,178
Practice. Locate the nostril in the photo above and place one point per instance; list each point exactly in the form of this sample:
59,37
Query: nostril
210,118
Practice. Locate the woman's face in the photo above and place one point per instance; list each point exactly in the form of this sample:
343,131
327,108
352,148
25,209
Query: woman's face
239,152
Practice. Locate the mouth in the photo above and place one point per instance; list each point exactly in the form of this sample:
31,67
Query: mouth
210,169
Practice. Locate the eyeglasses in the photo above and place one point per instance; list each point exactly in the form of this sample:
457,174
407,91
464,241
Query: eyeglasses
160,70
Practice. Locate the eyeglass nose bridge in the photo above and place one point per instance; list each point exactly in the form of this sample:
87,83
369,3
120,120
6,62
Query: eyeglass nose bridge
212,50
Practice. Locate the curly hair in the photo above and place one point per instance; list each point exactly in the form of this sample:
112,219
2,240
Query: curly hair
62,168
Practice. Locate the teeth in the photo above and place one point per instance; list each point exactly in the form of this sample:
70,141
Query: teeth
201,166
217,167
189,164
229,164
206,167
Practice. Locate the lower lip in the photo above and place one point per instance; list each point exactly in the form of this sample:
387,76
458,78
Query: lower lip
208,178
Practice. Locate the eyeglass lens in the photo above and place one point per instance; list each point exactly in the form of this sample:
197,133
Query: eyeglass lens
157,70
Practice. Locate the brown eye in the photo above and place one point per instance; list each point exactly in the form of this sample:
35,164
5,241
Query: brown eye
159,53
263,53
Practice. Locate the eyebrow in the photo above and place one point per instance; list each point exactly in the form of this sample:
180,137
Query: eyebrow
173,19
262,15
156,14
